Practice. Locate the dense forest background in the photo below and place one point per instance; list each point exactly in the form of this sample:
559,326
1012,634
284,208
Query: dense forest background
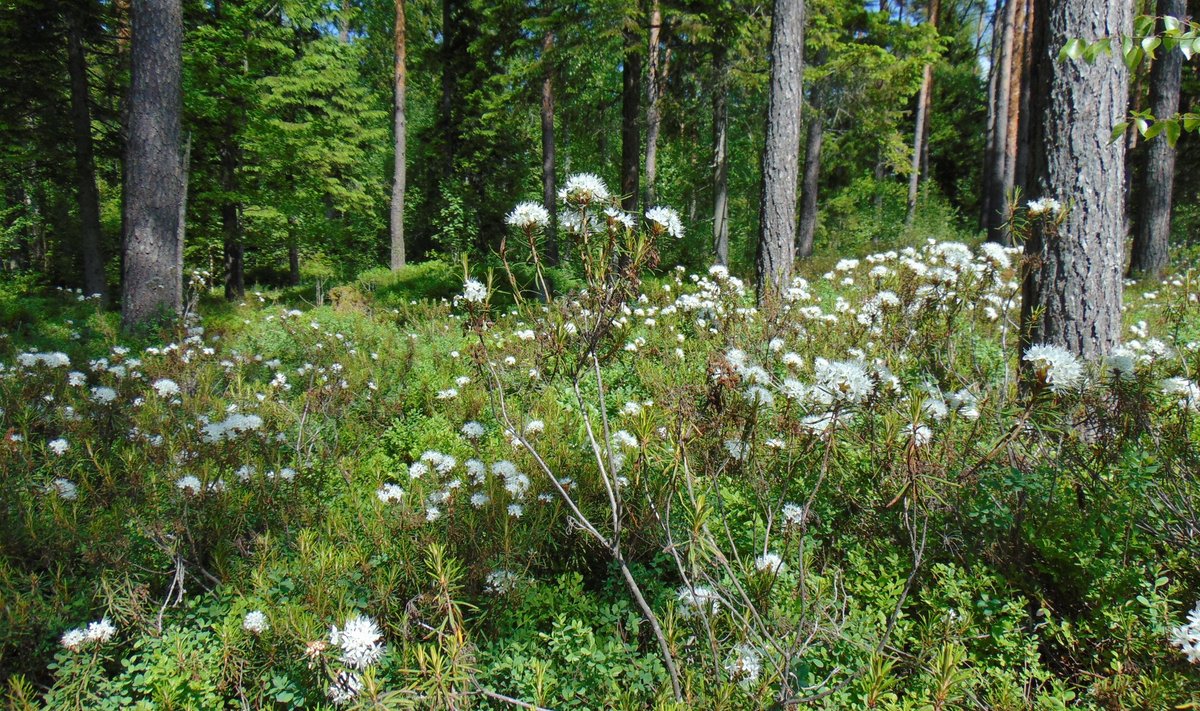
289,132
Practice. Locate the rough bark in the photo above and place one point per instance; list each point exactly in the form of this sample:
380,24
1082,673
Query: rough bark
85,163
1149,255
152,280
780,162
181,231
990,148
653,88
631,149
400,144
1018,94
549,192
920,130
721,154
1072,286
1023,69
812,175
996,170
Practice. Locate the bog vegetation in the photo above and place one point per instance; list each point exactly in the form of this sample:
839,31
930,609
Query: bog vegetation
863,374
644,493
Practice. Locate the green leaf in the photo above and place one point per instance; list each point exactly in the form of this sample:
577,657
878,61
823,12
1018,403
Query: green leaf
1149,44
1153,130
1134,57
1173,131
1191,122
1144,25
1118,131
1073,50
1170,24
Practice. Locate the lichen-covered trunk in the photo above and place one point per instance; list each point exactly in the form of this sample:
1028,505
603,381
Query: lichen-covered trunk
400,140
1149,254
152,280
1072,285
781,160
721,155
85,164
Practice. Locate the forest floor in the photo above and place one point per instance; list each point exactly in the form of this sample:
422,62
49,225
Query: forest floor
842,501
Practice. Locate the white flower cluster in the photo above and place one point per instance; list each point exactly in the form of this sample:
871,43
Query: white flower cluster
229,428
1187,636
390,494
528,216
1044,206
359,641
1056,367
50,360
769,563
745,665
501,581
166,387
665,220
845,382
698,600
474,292
97,632
582,189
255,622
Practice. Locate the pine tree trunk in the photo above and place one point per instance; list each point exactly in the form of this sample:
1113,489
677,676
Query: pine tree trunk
1018,99
990,149
780,163
152,280
812,176
653,120
631,149
919,132
85,163
400,145
1018,175
721,153
1149,255
997,167
549,191
1072,286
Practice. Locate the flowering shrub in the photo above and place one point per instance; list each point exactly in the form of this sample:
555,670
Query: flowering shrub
642,490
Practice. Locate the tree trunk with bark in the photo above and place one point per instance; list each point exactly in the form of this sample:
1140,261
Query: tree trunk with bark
631,149
152,280
549,191
1073,280
919,132
91,256
1149,255
812,176
721,153
996,170
653,88
780,163
400,144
